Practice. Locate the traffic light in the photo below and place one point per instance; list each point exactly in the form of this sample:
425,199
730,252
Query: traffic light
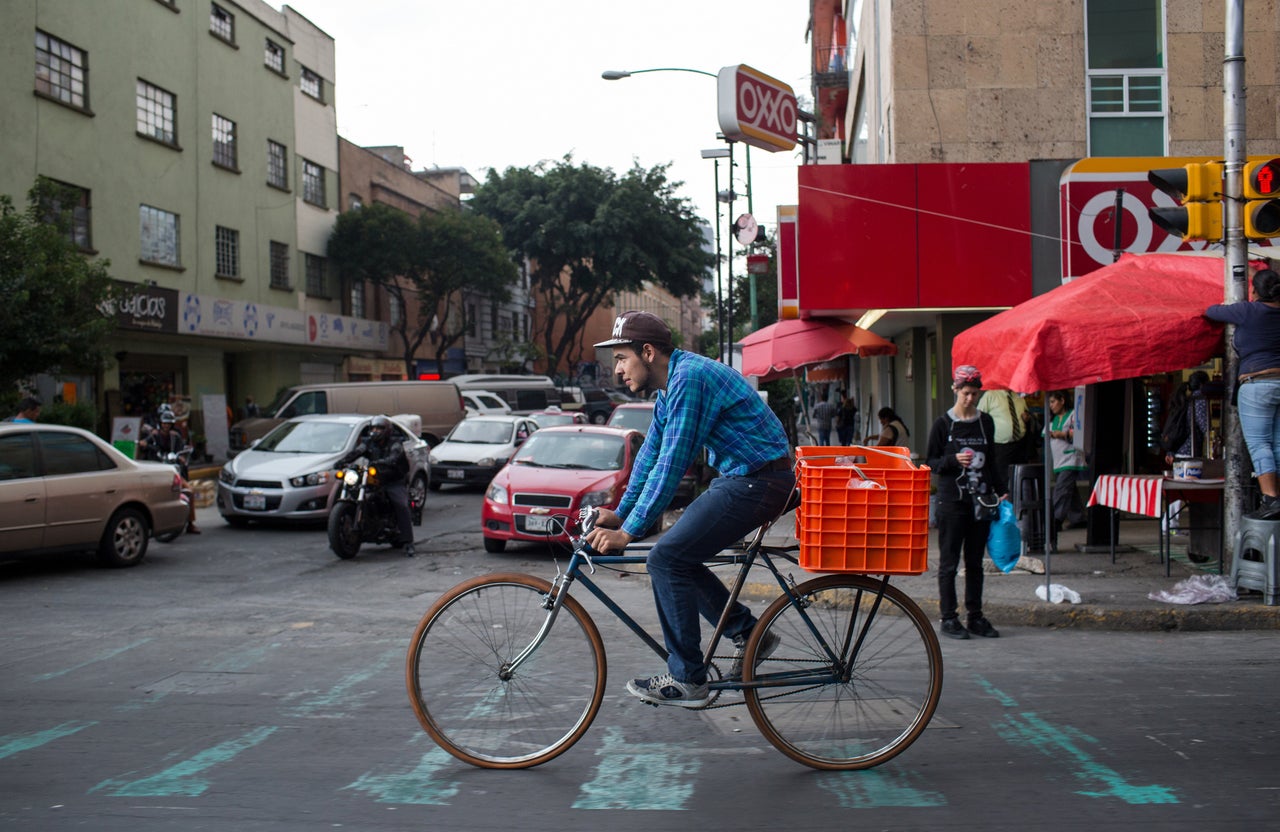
1198,191
1262,195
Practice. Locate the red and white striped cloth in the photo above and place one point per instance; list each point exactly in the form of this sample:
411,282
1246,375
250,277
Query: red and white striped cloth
1129,492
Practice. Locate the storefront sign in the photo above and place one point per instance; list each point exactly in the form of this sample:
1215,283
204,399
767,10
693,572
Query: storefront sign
148,308
247,321
756,109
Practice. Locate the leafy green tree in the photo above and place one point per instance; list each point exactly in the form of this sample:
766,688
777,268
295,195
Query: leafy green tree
427,263
57,311
589,234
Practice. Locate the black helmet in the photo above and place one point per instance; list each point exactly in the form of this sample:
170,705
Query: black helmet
380,424
167,417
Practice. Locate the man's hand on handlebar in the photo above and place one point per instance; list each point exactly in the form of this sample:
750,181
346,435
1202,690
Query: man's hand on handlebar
606,536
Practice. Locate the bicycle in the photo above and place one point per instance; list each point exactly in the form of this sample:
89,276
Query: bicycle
500,680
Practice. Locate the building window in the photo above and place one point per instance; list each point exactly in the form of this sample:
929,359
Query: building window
354,202
156,113
470,323
158,236
274,57
277,165
395,309
312,84
67,207
316,283
222,23
357,298
1125,83
62,71
279,265
224,142
226,242
313,183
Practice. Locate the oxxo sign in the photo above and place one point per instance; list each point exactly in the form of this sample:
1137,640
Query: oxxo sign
756,109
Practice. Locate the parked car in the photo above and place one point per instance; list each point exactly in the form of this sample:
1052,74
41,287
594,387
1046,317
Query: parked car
558,471
485,403
595,404
474,450
525,394
63,489
554,416
289,473
638,416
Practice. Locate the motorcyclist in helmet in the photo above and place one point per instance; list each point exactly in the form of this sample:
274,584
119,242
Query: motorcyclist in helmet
386,453
162,441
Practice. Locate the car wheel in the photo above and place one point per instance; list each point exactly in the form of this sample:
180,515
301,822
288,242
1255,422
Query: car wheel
599,418
493,545
417,498
124,543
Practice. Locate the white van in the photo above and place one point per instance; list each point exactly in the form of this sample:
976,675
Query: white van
525,394
437,403
484,403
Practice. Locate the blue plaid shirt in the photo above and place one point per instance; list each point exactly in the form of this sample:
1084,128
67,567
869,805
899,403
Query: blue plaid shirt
706,404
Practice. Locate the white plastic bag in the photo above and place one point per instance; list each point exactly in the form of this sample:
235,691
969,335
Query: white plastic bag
1198,589
1058,593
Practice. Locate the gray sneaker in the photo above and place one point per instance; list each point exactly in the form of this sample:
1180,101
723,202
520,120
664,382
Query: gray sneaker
663,689
768,644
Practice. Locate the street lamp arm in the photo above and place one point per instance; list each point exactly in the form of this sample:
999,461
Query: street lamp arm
617,74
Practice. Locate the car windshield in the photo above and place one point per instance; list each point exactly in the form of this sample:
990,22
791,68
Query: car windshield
277,403
481,432
590,451
637,418
307,438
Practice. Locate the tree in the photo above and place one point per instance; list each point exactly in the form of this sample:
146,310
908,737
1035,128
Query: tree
57,311
590,234
427,264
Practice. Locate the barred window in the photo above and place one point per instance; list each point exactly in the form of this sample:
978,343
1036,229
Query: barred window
158,236
396,309
279,265
68,207
357,298
226,242
274,56
313,183
312,84
224,142
222,23
62,71
156,113
277,165
316,283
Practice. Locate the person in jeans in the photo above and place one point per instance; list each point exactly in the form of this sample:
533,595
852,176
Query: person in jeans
700,403
1257,340
970,485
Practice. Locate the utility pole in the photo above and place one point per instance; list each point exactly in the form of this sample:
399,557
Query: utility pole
1235,257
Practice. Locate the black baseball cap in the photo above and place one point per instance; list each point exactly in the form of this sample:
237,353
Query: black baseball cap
642,327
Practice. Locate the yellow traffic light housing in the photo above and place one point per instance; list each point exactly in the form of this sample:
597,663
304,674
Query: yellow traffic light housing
1198,189
1262,195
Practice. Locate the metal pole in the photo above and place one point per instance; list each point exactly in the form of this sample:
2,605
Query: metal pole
1118,219
719,273
1235,269
751,278
728,292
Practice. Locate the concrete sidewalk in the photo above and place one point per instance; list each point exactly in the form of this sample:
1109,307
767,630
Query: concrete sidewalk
1113,595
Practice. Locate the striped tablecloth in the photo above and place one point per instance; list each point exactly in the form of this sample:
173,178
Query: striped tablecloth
1129,492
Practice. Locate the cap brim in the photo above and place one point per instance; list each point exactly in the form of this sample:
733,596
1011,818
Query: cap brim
615,342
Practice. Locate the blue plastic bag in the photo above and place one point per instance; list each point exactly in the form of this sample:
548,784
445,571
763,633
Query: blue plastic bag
1004,541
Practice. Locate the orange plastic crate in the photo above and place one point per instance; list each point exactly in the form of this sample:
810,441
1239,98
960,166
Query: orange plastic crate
883,531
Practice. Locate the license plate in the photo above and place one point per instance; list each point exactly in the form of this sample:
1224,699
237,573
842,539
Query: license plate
455,474
537,523
258,501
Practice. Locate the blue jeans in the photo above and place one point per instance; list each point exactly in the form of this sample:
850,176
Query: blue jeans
1260,422
684,587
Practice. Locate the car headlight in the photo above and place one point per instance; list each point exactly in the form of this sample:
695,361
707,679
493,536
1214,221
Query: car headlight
490,462
432,459
597,498
225,475
351,477
496,493
315,478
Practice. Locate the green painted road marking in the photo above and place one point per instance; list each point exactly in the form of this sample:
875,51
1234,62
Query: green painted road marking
423,784
1069,745
639,776
878,788
180,780
102,657
344,693
14,743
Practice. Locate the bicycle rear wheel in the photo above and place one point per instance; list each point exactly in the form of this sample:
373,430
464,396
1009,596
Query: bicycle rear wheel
469,700
863,708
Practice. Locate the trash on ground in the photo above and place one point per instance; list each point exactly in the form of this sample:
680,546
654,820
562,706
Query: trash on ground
1058,593
1198,589
1026,563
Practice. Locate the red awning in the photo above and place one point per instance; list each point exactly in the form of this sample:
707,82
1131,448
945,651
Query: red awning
1138,316
780,348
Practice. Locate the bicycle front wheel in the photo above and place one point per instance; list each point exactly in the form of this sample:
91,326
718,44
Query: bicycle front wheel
845,687
470,699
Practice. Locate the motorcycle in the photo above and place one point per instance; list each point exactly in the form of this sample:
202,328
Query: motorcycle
179,460
362,512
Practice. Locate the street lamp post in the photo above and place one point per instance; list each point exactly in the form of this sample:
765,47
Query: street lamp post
717,154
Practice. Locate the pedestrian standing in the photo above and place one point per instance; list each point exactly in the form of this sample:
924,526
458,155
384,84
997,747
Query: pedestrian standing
1068,463
824,414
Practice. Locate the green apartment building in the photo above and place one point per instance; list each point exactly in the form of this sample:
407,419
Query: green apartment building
201,140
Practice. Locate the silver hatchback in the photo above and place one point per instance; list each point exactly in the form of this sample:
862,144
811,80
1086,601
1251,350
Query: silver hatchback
289,473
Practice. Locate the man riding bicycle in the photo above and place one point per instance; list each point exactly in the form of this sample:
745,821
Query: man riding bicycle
700,403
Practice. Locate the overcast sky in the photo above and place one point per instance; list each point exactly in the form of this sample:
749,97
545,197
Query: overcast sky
507,83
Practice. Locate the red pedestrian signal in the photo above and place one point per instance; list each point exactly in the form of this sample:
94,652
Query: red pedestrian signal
1262,195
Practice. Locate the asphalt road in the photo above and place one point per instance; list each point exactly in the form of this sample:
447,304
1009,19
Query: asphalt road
250,680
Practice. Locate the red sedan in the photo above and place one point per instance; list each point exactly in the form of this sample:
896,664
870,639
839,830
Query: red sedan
555,473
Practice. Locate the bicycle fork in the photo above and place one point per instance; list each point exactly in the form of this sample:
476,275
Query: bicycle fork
551,602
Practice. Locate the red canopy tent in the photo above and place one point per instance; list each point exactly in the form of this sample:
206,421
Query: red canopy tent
779,349
1138,316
